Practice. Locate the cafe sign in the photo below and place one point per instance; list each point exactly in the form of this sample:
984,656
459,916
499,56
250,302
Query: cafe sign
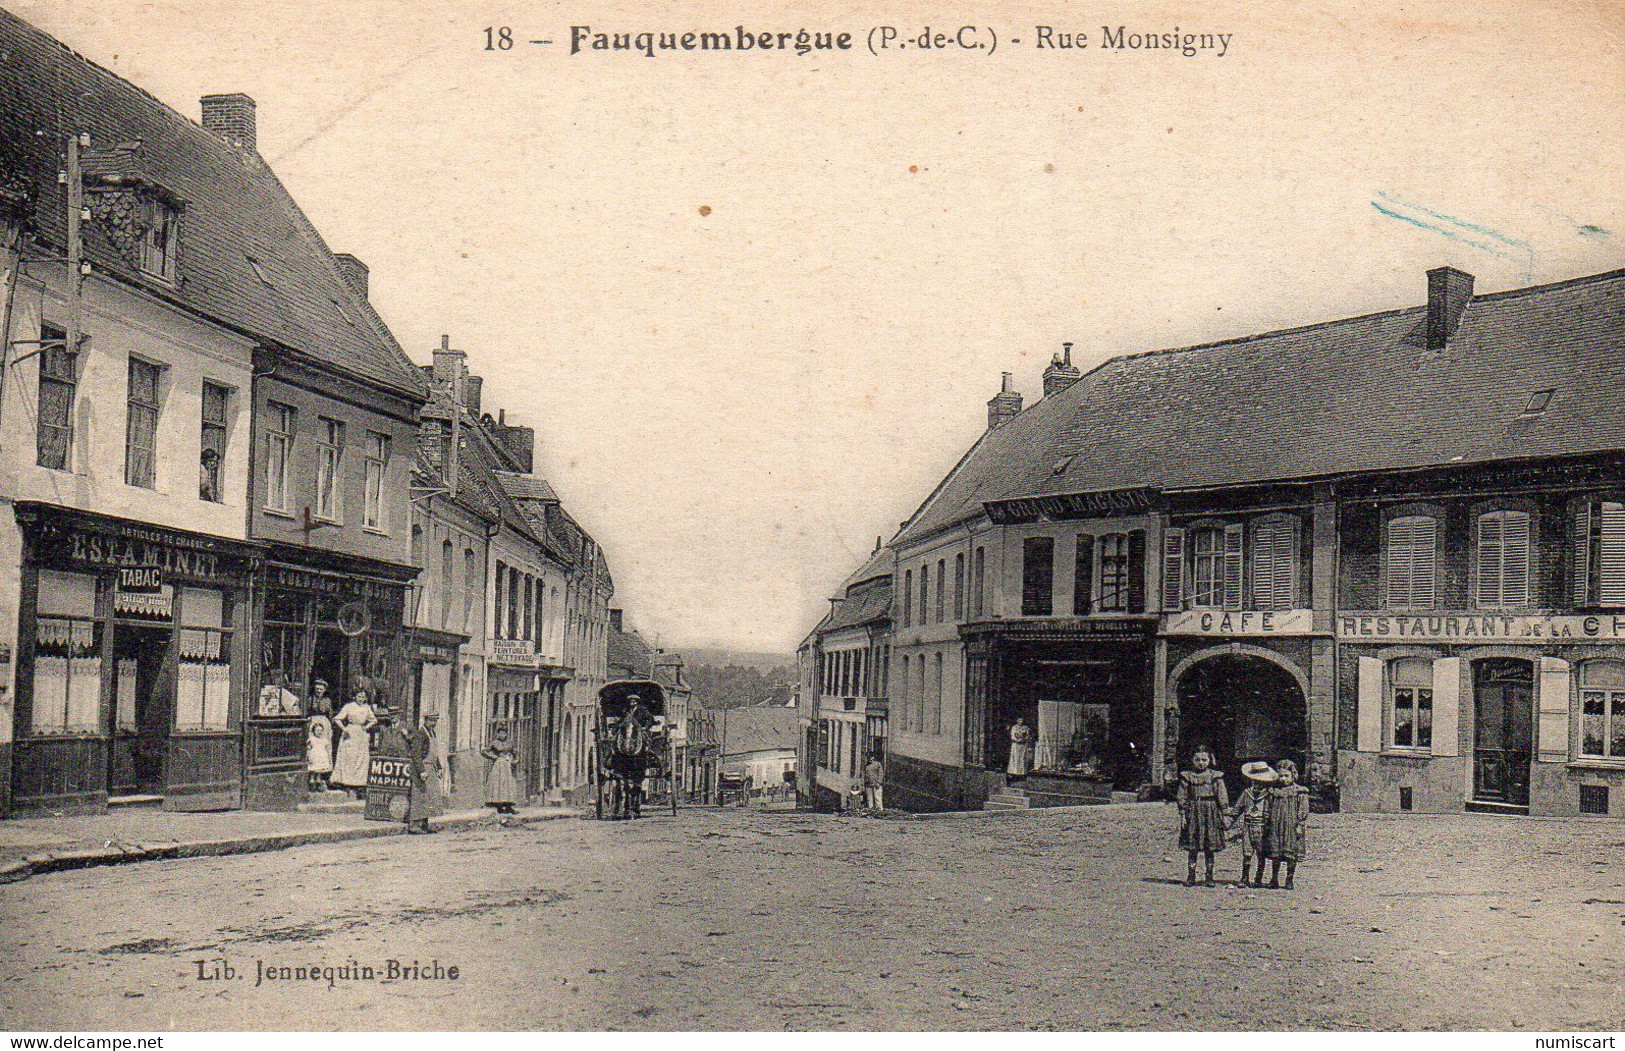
1240,622
1467,626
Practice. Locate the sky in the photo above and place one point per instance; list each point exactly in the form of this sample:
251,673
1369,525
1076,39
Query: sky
754,304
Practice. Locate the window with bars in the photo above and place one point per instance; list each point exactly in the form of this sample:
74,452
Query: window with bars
58,384
1411,562
1411,701
329,462
279,437
141,424
1503,560
216,405
1602,710
1275,563
373,495
1038,576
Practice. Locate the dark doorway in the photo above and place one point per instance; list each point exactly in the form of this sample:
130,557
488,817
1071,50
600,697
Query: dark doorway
1244,709
1503,704
143,708
329,663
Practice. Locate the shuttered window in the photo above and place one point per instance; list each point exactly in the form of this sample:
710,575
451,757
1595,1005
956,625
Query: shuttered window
1503,559
1412,559
1038,576
1083,573
1611,555
1173,569
1207,568
1411,702
1232,566
1275,563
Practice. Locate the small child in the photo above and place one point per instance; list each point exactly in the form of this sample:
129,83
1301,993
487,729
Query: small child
1202,803
1248,813
1286,822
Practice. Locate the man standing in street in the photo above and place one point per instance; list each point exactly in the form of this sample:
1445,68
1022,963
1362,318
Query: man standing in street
425,758
874,784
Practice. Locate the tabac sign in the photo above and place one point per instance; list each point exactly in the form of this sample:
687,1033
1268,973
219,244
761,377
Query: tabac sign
1469,626
1240,622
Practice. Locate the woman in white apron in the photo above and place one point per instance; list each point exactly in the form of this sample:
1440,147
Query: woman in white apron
355,722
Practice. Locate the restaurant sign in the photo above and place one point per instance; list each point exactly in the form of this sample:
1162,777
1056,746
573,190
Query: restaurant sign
1469,626
1240,622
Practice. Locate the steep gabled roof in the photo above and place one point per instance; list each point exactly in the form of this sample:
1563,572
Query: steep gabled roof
758,729
248,257
1344,397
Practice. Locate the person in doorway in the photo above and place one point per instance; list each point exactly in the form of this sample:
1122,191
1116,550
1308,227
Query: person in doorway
1202,803
321,699
1286,823
874,783
355,722
389,739
1248,815
1021,750
319,747
501,781
424,753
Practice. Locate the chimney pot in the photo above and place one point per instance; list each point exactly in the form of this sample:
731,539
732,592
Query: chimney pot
1449,292
355,272
1060,374
1005,405
231,117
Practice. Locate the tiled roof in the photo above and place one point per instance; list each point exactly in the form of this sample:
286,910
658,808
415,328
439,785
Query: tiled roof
629,655
864,604
527,486
757,729
1358,395
248,257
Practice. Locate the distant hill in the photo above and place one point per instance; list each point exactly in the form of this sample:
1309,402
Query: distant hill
723,679
720,658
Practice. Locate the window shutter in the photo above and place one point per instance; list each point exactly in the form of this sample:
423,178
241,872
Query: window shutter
1515,566
1083,580
1446,705
1233,535
1136,571
1284,588
1553,743
1173,569
1489,560
1580,571
1611,555
1368,722
1423,553
1264,565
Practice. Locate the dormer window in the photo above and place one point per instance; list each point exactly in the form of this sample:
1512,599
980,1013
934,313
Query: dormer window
159,238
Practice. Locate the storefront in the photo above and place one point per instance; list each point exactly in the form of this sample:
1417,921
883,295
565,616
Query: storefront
1081,686
513,686
1500,713
133,664
329,625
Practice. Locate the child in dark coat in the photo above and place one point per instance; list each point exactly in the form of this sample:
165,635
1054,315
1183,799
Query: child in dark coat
1286,823
1202,803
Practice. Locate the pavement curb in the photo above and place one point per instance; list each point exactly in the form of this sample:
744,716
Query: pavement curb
126,854
949,815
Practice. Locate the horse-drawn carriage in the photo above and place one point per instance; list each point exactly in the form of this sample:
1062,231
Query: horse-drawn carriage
632,742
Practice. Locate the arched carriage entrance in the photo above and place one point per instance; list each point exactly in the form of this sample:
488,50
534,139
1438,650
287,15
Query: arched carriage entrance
1243,707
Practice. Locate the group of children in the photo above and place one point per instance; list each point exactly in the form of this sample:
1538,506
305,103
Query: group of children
1270,817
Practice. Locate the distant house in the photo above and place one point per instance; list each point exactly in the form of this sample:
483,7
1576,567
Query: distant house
758,744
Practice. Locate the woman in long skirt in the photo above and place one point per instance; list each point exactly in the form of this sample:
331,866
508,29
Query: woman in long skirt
355,722
1021,750
501,783
1202,803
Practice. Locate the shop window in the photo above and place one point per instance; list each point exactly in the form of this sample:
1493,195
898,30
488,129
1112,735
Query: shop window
212,456
1071,737
203,686
67,655
58,385
329,463
141,424
1503,560
1411,561
1602,710
1411,695
373,494
1275,563
1114,572
279,436
1038,576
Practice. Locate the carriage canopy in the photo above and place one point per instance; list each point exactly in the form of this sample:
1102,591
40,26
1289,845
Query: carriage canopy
614,698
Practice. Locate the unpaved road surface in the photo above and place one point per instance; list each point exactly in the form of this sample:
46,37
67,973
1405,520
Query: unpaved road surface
750,920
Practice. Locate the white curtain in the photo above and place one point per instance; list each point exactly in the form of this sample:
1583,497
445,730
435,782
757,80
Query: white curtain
1057,724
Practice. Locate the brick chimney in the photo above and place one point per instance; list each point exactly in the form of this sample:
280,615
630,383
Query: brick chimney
355,272
1003,406
1060,374
232,118
449,365
1449,292
472,388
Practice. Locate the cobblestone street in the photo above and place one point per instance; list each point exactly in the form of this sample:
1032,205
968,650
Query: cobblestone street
733,919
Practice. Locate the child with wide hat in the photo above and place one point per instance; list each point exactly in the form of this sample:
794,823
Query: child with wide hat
1248,816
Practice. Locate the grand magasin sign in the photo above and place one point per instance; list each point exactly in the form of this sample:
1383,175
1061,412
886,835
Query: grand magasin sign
1472,626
